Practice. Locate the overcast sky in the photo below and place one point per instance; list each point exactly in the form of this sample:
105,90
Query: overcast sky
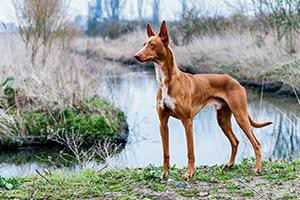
169,8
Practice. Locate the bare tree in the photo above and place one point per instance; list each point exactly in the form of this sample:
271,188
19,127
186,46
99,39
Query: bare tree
155,11
284,17
99,10
114,8
184,8
40,23
140,7
281,17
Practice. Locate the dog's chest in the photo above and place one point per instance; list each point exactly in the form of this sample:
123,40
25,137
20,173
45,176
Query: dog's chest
166,100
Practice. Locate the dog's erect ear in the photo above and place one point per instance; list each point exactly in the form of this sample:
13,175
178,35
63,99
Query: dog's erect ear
150,32
163,34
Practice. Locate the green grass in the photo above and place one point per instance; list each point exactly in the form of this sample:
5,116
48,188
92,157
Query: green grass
147,183
247,193
91,117
99,120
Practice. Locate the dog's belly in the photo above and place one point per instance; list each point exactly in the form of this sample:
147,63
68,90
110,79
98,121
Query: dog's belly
217,103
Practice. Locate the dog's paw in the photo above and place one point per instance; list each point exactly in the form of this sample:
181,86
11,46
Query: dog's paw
188,174
165,174
258,171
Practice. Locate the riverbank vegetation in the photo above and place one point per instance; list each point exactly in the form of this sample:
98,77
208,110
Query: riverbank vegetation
261,48
233,53
280,180
48,94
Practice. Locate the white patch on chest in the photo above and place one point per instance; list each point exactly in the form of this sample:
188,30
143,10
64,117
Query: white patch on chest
166,100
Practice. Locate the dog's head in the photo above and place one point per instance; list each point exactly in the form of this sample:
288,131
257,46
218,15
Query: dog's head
155,47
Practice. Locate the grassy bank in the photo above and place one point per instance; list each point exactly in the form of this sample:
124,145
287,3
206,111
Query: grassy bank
52,97
93,120
280,180
237,54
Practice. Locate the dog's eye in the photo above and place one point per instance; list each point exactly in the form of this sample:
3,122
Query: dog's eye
151,45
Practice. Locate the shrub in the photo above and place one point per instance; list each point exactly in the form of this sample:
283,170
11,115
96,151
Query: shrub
92,118
93,122
93,125
8,183
8,93
111,28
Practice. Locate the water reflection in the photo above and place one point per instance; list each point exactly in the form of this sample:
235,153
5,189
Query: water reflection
287,141
134,90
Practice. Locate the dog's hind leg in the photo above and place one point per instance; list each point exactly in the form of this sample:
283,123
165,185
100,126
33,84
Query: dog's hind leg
244,123
224,121
237,101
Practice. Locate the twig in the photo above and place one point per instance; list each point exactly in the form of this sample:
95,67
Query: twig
42,175
3,24
100,170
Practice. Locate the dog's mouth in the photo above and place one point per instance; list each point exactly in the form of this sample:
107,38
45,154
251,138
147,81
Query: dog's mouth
138,58
148,59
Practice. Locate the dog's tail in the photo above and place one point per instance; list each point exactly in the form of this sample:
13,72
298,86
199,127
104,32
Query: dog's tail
258,125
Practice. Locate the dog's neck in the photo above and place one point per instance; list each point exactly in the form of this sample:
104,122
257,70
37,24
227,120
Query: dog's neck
167,69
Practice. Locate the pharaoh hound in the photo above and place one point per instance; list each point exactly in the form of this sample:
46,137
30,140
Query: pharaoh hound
183,95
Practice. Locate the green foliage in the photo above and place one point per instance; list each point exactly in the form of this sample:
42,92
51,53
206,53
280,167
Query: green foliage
8,93
150,173
290,197
189,193
9,183
247,193
287,74
158,187
231,68
233,187
287,71
132,183
91,123
92,118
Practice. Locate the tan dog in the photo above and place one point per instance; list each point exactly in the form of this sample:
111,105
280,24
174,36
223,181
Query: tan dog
183,95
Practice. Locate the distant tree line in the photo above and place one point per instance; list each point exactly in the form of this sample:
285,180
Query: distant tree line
105,17
281,18
42,22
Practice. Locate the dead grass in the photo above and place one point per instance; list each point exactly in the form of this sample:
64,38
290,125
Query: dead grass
234,53
63,79
66,75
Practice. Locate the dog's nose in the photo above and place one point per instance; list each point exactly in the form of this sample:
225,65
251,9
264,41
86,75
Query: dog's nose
137,57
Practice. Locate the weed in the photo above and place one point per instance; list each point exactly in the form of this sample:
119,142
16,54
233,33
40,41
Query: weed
247,193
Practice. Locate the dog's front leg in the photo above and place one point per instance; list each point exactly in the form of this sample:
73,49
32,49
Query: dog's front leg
188,125
164,132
